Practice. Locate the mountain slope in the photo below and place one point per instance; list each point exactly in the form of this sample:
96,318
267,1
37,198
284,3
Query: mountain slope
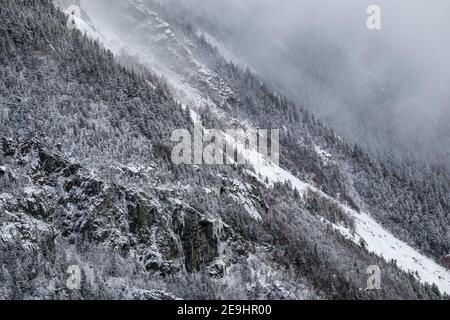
86,180
198,45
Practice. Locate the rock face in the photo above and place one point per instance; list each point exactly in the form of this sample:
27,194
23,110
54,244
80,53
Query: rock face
64,199
445,261
200,239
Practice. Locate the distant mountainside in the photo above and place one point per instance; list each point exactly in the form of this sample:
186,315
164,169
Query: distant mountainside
86,177
368,92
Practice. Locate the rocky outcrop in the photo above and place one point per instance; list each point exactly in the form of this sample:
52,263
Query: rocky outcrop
201,238
63,199
445,261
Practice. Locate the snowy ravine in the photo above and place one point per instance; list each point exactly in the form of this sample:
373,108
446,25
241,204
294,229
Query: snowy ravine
377,239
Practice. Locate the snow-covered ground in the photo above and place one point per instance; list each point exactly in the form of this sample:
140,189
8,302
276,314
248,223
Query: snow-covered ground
377,239
381,242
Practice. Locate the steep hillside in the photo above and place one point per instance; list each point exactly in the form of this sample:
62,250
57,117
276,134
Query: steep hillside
86,177
312,152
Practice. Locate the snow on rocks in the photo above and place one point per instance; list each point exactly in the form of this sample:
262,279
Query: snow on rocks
248,205
23,229
242,194
326,157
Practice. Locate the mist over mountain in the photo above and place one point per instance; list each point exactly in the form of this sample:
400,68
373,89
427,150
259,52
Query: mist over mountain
385,90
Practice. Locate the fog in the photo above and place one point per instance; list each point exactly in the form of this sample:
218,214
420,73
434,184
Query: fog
387,89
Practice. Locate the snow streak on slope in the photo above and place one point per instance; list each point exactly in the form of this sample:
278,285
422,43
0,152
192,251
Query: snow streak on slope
223,50
146,36
89,30
384,244
376,238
